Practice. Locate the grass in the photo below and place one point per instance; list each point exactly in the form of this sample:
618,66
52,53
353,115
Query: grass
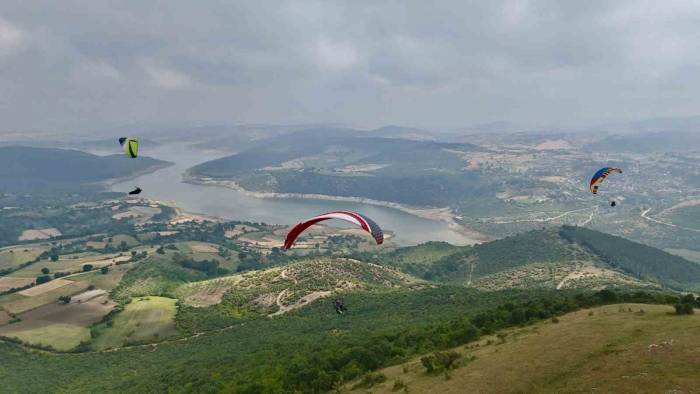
107,281
14,257
145,319
59,336
582,352
66,263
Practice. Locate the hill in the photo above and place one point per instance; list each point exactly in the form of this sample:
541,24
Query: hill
350,163
627,348
558,257
43,169
657,141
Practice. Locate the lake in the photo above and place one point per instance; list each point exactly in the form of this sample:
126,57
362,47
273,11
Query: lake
166,184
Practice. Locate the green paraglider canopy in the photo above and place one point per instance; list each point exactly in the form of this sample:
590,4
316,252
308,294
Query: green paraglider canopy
131,146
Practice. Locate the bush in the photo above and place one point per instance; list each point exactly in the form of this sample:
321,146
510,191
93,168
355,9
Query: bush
45,271
42,279
87,267
440,361
684,309
399,385
104,270
370,380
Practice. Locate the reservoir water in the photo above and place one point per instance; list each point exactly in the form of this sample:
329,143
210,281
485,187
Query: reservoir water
166,184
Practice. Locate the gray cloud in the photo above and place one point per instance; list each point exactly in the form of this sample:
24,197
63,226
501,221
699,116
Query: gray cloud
89,64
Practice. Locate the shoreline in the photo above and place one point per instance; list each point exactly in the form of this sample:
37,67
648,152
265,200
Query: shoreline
445,214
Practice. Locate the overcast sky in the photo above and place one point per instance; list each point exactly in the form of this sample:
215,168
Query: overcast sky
90,64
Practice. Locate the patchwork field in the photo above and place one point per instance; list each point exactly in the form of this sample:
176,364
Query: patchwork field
628,348
71,263
11,258
107,281
17,303
7,283
61,326
45,233
143,320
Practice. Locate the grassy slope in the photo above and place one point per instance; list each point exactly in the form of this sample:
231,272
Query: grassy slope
611,355
144,319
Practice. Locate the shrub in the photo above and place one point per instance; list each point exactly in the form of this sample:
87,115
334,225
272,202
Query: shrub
684,309
370,380
440,361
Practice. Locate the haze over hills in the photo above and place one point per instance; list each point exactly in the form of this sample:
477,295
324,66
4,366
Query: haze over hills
50,169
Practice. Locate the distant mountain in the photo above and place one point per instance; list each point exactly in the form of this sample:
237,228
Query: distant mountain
560,257
352,163
408,133
44,169
648,142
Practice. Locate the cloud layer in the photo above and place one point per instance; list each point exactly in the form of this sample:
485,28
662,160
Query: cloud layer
90,64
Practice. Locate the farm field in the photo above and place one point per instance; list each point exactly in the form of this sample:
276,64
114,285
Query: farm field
11,258
60,326
107,281
70,263
145,319
18,303
632,348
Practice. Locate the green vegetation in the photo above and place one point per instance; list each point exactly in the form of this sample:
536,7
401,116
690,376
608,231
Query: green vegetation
632,347
310,349
410,172
552,252
144,320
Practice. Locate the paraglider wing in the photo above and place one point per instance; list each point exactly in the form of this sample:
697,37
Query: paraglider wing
364,222
600,176
130,145
135,191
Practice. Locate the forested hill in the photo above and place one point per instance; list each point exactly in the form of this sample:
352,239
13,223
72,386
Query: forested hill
349,163
27,169
565,246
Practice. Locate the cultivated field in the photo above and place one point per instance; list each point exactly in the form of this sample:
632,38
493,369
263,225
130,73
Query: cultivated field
61,326
45,233
145,319
17,303
7,283
11,258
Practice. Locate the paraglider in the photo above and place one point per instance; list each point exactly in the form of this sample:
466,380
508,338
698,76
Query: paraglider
340,306
131,149
364,222
599,177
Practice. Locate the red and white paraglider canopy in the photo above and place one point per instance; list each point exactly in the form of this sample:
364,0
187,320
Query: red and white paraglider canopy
364,222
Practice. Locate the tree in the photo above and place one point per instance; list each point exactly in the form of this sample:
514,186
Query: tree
87,267
104,270
123,246
42,279
45,271
54,257
133,253
160,250
64,299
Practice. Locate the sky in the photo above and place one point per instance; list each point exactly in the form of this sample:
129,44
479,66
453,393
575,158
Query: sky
79,65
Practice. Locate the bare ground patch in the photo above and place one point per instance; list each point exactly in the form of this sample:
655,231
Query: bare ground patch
45,288
46,233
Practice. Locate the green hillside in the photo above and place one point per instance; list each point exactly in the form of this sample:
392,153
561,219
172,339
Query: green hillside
557,248
624,348
353,164
30,169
